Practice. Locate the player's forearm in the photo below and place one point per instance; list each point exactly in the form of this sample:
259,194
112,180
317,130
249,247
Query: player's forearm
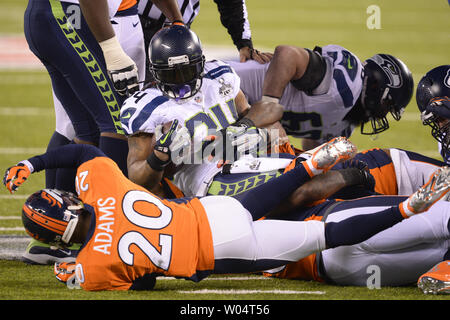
318,188
96,14
142,174
170,9
68,156
265,113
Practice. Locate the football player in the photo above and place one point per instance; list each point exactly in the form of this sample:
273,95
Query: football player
130,236
233,16
80,64
433,100
325,92
203,97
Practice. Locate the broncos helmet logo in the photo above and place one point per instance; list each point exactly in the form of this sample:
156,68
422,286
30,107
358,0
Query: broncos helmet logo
447,79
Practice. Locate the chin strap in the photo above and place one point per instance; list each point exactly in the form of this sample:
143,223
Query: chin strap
71,225
69,230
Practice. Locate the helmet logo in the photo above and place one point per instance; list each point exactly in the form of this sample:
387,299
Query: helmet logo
391,70
447,79
51,199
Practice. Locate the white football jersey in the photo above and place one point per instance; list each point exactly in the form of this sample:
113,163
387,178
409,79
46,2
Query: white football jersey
317,117
212,108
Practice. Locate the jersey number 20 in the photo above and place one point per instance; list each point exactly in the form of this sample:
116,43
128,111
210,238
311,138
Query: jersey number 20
162,258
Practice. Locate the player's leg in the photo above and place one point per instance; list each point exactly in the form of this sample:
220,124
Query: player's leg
399,254
241,245
266,197
75,53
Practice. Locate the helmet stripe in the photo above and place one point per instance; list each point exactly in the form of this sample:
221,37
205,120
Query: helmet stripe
52,224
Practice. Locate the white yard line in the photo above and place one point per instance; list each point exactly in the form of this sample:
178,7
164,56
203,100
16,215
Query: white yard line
13,196
26,111
12,229
222,278
6,150
10,217
208,291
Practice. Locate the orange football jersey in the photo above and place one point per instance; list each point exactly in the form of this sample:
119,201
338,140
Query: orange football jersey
134,233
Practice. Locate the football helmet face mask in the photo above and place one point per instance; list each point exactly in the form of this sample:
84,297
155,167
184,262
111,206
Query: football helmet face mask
50,216
387,87
435,84
177,62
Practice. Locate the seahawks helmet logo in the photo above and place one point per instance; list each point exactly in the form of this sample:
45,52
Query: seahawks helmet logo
391,70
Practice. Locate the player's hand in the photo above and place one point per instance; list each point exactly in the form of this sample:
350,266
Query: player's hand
173,141
65,272
15,176
356,172
121,68
246,53
233,141
439,106
125,80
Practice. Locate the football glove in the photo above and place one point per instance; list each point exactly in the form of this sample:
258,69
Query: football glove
175,143
65,272
174,139
439,106
121,68
15,176
356,172
233,141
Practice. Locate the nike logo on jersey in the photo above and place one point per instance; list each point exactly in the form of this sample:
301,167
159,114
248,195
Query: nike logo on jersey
135,24
126,116
349,64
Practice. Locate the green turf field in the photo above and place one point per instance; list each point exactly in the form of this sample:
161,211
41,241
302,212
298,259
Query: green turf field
418,32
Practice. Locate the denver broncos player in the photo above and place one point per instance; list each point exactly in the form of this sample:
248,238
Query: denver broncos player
203,97
433,101
325,92
129,235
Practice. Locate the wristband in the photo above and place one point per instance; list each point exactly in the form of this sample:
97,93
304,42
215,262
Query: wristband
270,99
156,163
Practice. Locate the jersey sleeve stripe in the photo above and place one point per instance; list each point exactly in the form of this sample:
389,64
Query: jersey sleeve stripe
217,72
146,112
343,88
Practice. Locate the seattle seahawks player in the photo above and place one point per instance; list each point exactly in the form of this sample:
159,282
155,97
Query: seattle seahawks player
326,92
433,100
202,97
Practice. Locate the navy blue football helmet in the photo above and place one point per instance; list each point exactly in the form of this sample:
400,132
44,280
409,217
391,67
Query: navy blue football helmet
50,216
433,101
177,61
387,87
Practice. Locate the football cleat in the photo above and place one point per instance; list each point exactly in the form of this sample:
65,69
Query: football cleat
40,253
327,155
436,280
428,194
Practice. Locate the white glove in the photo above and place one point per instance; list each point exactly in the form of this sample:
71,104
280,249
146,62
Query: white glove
121,68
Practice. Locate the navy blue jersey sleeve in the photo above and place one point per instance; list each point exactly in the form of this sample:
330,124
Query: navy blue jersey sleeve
68,156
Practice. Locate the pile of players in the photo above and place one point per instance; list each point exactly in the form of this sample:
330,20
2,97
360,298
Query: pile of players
193,173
